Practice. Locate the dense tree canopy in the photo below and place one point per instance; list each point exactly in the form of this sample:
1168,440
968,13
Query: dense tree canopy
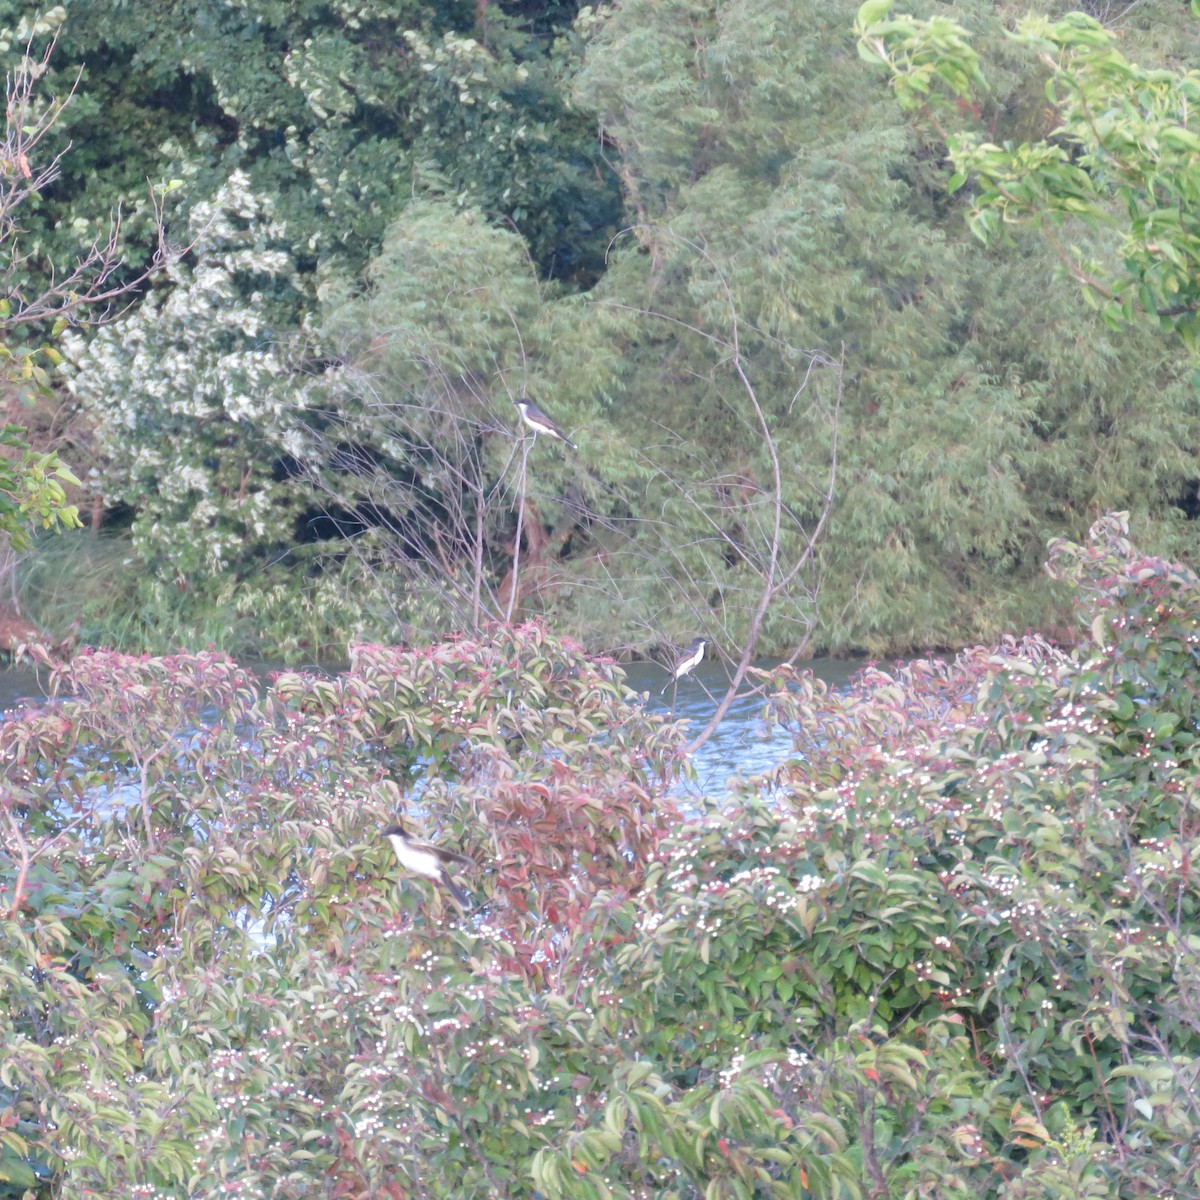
706,238
338,112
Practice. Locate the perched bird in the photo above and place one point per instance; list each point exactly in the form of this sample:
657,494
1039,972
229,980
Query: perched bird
688,661
424,858
540,423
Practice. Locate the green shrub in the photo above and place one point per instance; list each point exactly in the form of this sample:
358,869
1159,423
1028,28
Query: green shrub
946,948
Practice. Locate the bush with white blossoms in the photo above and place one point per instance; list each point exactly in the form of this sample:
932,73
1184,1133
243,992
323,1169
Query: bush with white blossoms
195,401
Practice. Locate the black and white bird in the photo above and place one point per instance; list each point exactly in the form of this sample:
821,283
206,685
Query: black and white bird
540,423
688,661
428,860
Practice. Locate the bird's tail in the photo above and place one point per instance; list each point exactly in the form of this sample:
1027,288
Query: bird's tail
461,898
673,679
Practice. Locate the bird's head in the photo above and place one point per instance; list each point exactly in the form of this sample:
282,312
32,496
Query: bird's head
394,830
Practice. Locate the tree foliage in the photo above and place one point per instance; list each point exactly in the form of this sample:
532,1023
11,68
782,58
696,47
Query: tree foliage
794,290
336,112
190,397
641,527
1119,152
966,391
944,948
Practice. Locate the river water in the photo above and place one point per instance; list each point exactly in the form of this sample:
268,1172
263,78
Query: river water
738,748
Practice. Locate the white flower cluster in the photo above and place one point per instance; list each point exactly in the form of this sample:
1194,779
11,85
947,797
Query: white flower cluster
190,393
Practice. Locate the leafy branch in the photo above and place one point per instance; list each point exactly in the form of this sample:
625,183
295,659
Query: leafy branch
1121,152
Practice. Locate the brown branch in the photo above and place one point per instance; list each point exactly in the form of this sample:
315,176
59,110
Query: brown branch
516,557
89,284
26,857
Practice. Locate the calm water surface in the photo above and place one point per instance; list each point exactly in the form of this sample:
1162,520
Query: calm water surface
739,747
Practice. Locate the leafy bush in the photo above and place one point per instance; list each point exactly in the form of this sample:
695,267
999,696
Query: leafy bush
189,399
946,948
191,870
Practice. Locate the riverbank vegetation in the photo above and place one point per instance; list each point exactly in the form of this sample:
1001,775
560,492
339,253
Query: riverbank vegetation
707,240
850,312
945,947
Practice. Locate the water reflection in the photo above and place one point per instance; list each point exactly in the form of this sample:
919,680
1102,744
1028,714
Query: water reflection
19,683
741,746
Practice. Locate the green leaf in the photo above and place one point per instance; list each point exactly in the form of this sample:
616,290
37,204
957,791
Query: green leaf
871,11
16,1172
1165,724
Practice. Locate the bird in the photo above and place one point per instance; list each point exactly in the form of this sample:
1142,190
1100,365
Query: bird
540,423
689,660
424,858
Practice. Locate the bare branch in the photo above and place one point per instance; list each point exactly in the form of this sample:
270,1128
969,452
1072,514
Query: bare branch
93,284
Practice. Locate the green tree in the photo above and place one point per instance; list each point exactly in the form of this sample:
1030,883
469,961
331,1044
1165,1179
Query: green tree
480,525
794,279
1118,153
971,414
334,112
331,119
200,410
776,215
32,318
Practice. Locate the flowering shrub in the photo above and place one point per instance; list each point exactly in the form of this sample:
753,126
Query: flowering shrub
945,949
192,401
